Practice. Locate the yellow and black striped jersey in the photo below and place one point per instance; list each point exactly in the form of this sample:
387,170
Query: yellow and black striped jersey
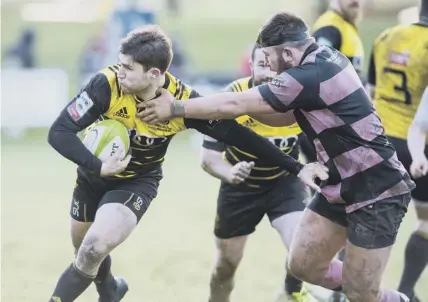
399,71
284,138
149,143
333,30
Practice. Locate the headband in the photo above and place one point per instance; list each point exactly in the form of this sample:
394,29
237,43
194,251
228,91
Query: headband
284,39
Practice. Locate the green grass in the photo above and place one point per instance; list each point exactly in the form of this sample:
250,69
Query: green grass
168,257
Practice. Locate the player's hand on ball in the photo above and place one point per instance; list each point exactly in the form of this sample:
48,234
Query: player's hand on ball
240,172
115,163
419,167
158,109
310,172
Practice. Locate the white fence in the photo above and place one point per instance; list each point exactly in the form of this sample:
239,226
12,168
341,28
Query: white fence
31,98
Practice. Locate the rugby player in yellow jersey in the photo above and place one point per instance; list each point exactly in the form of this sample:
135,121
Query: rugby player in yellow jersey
248,193
398,76
110,197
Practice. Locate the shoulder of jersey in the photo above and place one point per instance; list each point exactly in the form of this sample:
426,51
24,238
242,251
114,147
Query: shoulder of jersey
110,73
180,90
240,85
387,32
329,18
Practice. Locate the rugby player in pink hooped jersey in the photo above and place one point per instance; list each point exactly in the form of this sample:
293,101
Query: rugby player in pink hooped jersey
361,204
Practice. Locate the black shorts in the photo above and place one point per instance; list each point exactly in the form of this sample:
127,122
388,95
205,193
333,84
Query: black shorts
240,208
371,227
403,154
91,192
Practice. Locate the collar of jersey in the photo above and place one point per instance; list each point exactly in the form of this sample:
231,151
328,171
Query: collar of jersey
311,48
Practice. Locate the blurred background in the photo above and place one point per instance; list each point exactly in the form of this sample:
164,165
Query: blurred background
49,48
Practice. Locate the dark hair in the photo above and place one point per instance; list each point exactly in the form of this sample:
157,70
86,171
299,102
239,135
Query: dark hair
282,27
149,46
253,51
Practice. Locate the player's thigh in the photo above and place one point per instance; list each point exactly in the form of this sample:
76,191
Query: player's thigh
78,230
285,205
87,194
363,269
239,211
320,234
136,193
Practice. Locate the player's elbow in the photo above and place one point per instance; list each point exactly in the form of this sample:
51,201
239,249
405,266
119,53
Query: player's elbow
53,136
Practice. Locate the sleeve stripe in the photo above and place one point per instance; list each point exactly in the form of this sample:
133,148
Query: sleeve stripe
235,87
239,86
271,98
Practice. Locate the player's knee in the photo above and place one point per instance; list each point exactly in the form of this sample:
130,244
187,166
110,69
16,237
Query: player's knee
92,252
225,268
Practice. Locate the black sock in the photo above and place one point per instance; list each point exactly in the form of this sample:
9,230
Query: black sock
104,281
415,260
292,284
341,255
71,285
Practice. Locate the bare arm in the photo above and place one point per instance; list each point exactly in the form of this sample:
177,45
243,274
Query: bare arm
213,163
416,139
276,119
227,105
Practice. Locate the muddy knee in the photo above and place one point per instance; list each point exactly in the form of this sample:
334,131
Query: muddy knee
90,255
225,269
304,270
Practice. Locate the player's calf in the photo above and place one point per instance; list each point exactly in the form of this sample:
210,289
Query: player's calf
230,252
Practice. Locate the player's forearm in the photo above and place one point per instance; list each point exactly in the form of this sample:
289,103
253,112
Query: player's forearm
227,106
416,141
66,142
213,163
247,140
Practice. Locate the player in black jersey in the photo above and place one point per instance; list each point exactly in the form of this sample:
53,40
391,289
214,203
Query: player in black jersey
111,197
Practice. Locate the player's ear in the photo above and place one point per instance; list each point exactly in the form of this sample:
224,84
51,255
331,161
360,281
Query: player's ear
287,54
250,62
155,73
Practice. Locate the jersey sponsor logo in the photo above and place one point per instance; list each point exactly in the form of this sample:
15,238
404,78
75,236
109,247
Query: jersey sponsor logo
213,123
399,58
123,112
278,81
80,106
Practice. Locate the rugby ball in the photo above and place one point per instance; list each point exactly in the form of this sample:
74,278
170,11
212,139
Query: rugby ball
104,139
